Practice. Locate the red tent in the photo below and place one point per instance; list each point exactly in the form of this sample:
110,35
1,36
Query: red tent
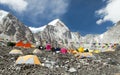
20,44
63,50
48,47
27,45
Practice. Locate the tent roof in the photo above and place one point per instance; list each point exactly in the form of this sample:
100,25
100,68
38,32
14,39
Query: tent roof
37,51
15,51
20,44
28,59
27,45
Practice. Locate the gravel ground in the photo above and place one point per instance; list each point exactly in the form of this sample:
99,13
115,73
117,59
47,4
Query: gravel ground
60,64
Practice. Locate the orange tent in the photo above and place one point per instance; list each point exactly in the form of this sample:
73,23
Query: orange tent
72,51
20,44
28,59
27,45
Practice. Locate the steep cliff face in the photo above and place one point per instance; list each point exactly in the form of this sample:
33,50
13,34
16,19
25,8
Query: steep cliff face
57,33
12,29
89,38
112,35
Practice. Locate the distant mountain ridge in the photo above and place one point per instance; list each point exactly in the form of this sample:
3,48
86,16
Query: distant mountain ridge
112,35
55,32
12,29
57,29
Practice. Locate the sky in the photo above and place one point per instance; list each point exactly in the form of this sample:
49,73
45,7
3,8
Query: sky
83,16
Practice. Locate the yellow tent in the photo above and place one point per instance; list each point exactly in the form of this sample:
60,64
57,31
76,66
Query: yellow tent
81,49
28,59
74,52
90,51
109,50
37,51
15,51
96,51
86,54
33,46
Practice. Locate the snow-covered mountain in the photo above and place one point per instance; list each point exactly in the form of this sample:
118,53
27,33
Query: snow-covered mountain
12,29
112,35
35,30
57,33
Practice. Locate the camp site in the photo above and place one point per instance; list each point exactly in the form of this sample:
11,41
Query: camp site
28,58
59,37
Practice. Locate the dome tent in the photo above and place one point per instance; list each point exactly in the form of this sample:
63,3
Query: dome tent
20,44
28,59
81,49
27,45
15,51
84,55
37,51
72,51
48,47
63,50
24,45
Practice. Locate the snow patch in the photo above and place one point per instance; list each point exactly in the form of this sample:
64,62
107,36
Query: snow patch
53,22
72,70
35,30
3,14
101,36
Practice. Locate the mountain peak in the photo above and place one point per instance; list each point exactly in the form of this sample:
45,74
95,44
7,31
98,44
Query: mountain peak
12,29
58,23
54,22
3,14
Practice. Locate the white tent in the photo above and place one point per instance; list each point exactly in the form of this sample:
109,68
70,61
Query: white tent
15,51
37,51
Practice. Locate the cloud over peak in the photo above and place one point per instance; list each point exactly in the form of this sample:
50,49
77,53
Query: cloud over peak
47,8
17,5
37,10
111,12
